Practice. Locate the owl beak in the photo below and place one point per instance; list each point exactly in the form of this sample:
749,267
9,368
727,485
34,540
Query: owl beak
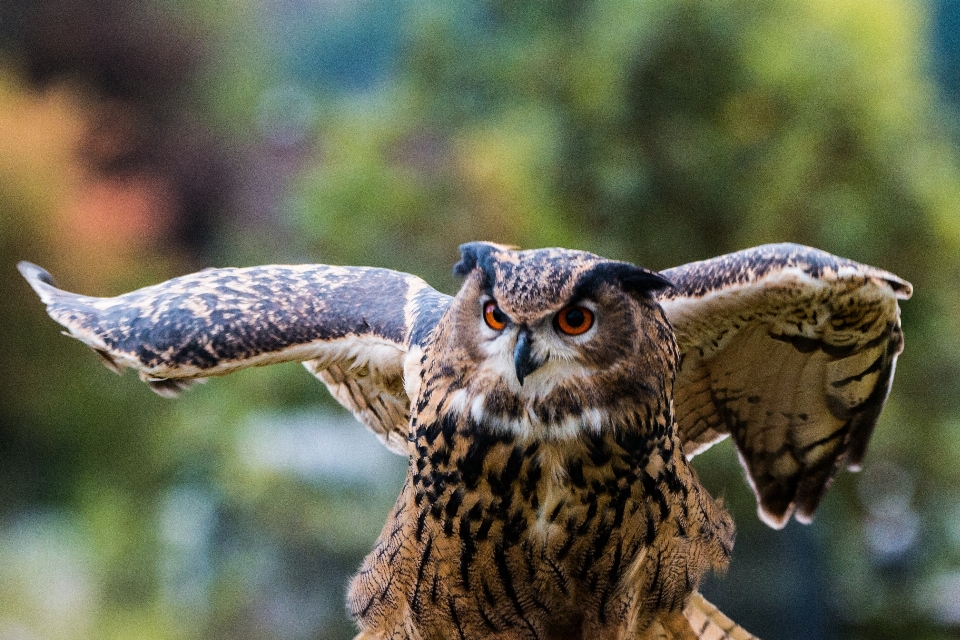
524,361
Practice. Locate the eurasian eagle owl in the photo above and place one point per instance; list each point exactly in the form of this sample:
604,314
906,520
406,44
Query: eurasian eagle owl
548,412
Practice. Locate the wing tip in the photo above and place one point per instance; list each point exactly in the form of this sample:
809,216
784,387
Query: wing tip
772,519
902,289
39,279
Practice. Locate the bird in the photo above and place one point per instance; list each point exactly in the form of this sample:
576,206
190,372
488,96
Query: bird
549,412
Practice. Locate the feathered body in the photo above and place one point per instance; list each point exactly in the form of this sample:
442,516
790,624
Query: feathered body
548,412
562,507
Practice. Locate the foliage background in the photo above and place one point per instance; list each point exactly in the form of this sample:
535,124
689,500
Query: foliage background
139,141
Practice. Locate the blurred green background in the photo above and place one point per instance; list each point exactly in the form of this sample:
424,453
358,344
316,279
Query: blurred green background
139,141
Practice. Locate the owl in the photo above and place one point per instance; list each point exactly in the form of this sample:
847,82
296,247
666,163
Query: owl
549,412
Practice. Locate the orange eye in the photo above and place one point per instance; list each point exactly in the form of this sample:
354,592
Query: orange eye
574,320
494,318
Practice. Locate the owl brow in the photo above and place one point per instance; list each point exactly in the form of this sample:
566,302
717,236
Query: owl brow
586,289
486,294
577,298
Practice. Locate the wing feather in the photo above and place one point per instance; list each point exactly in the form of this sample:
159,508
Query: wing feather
351,326
709,623
791,351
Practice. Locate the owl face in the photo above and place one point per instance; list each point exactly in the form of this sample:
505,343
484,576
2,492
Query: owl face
552,341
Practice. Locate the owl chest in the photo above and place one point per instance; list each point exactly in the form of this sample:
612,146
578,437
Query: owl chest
534,528
493,533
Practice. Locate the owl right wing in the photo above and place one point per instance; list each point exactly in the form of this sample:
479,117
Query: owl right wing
791,352
358,329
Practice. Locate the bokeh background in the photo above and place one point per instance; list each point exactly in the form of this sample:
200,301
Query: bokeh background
140,141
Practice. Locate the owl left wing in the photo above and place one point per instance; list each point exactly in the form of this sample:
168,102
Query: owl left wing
791,351
356,328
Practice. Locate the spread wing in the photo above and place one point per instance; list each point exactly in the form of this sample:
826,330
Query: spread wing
353,327
791,351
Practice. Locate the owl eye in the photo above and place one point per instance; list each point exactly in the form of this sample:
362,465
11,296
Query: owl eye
574,320
494,318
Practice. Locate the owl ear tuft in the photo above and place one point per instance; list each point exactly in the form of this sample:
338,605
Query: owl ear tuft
472,255
644,281
630,277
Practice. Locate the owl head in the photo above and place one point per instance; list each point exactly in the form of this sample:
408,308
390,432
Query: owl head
548,342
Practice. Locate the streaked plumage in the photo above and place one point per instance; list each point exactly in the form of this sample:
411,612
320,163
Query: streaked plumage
548,494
